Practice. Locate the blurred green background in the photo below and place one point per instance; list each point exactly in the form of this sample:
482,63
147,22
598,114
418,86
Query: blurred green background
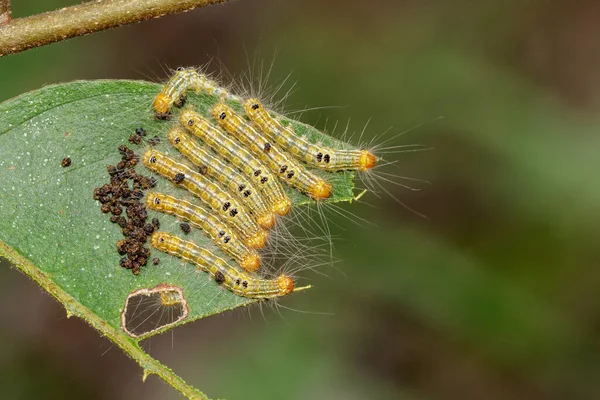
494,296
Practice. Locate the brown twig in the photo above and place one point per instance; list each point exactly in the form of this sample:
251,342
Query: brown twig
4,12
25,33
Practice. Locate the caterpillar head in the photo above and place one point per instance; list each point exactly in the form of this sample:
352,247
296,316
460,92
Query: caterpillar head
251,262
162,105
171,298
366,160
285,285
267,221
322,190
258,240
282,207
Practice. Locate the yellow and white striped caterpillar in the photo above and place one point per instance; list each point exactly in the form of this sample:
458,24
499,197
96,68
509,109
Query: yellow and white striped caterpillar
315,155
184,79
222,236
222,203
288,170
223,173
240,157
240,283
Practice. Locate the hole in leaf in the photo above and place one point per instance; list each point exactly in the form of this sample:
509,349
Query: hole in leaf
150,310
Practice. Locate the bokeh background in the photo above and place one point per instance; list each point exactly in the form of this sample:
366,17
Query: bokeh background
494,296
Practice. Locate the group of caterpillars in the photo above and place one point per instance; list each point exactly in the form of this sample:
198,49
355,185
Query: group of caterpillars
237,175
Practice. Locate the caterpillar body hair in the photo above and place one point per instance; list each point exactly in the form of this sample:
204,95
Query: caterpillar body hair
288,170
315,155
175,90
238,282
221,234
225,174
238,156
234,214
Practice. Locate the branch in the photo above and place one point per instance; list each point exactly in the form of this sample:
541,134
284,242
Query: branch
4,12
25,33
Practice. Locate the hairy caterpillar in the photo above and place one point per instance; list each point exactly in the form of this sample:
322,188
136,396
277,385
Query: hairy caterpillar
221,235
240,283
226,175
220,201
240,157
317,156
286,168
184,79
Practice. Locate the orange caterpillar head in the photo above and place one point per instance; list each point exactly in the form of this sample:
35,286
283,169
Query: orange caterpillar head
258,240
322,190
285,285
251,263
267,221
282,207
366,160
162,105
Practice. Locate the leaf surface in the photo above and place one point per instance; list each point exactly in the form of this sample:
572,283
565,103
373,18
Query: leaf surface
50,218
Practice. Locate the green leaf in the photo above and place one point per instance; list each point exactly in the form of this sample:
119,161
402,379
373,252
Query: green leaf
54,231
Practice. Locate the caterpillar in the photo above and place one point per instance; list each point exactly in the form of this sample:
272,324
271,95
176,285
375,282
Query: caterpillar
286,168
238,282
317,156
170,299
175,90
226,175
221,235
220,201
239,157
